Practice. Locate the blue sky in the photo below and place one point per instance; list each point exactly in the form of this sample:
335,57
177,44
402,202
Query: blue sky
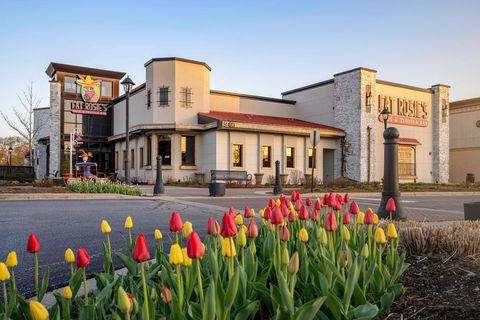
255,47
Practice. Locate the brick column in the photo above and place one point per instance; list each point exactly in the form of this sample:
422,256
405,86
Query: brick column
440,122
55,127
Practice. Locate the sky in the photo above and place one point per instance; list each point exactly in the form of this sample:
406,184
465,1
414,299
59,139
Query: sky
254,47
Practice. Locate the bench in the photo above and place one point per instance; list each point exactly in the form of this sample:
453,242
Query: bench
230,175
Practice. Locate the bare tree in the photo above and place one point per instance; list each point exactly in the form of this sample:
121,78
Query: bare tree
22,123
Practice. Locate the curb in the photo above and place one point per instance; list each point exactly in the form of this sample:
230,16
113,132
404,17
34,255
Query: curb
68,196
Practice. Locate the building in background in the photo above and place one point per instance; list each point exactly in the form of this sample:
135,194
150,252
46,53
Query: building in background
464,139
195,129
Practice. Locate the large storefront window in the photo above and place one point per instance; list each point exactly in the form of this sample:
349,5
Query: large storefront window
165,149
310,158
237,155
187,144
406,162
290,157
266,156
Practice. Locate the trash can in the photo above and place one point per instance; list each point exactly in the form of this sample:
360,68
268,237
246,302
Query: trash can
470,178
471,211
216,189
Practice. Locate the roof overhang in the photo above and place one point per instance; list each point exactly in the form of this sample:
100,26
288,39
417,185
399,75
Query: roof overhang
144,128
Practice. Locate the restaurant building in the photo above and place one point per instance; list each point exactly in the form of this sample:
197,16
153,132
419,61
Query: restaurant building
195,129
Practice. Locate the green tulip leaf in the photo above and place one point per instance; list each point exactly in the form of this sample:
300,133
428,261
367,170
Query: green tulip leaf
127,263
209,304
364,312
287,299
44,286
309,310
247,311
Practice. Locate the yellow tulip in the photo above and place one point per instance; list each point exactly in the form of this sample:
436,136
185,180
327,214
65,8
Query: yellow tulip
346,233
392,231
176,256
187,229
244,227
242,238
128,223
69,256
158,234
124,302
37,310
365,251
4,273
253,212
303,235
361,217
239,219
261,213
380,236
67,293
294,263
278,202
285,257
375,218
12,259
265,222
187,262
106,227
228,248
322,236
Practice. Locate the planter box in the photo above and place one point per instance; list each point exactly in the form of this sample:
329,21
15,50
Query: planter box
199,177
258,179
471,211
284,179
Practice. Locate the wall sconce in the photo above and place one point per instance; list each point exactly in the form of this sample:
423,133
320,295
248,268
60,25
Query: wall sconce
444,110
368,98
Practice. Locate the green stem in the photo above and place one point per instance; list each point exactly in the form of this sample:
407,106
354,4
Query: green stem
109,246
145,296
200,285
176,237
330,243
85,290
379,261
279,252
36,273
355,229
5,298
71,269
243,258
14,287
293,279
180,288
130,237
215,243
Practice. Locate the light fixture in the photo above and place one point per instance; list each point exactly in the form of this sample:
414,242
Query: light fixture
385,113
368,96
127,84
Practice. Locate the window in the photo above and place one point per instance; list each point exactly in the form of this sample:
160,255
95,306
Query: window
186,97
149,150
149,99
187,147
141,157
266,156
69,85
290,155
124,156
163,96
116,160
237,156
132,158
310,158
406,161
106,89
165,149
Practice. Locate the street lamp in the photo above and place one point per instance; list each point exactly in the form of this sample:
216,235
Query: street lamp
127,84
385,113
10,150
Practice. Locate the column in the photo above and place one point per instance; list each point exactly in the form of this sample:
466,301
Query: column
440,143
55,127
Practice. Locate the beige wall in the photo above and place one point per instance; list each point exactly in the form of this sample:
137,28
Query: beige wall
139,114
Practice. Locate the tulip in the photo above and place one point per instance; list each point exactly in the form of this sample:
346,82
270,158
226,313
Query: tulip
252,211
277,217
166,295
308,202
228,248
346,198
213,227
369,219
294,196
231,210
346,233
303,214
361,217
176,256
252,229
346,218
187,262
187,229
343,260
124,302
83,260
354,209
303,235
298,205
299,197
261,213
365,251
390,207
330,222
140,252
176,223
337,206
375,218
392,231
33,246
284,210
291,216
380,236
294,263
271,203
242,238
339,199
326,200
158,235
11,263
195,247
247,213
38,311
268,213
105,227
67,293
128,226
228,226
238,219
314,214
318,204
284,233
4,276
322,236
70,259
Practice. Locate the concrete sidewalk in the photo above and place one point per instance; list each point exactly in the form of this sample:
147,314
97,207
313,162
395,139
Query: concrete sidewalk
68,196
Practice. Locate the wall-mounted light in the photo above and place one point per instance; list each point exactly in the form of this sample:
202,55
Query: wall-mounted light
368,97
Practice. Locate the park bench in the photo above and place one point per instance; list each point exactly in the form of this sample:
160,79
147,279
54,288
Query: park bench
230,175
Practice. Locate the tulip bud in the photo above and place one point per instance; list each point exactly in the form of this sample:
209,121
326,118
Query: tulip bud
153,294
277,216
83,259
67,293
369,219
242,238
391,205
195,247
11,259
252,229
375,218
176,256
308,201
187,229
365,252
166,295
33,245
284,210
354,209
284,233
322,236
330,222
176,223
252,211
318,204
124,301
268,213
346,233
314,215
285,257
229,229
37,310
69,256
346,198
187,262
128,223
361,217
105,227
4,273
303,214
247,213
380,236
343,259
228,248
213,227
140,251
346,218
262,213
253,248
294,263
303,235
271,203
392,231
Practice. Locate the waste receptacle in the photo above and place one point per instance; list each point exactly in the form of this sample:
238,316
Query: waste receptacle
216,189
471,211
470,178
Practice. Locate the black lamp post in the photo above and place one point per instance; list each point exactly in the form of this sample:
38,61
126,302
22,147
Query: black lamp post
127,84
10,150
385,113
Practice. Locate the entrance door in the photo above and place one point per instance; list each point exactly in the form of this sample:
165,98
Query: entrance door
328,160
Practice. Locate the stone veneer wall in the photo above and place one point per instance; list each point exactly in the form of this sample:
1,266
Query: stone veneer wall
441,142
55,103
350,114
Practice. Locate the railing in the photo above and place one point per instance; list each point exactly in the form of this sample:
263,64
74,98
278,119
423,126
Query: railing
407,170
19,173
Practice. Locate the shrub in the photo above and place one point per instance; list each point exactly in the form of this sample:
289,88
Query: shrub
92,186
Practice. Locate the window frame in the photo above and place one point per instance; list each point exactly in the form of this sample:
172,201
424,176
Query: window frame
116,161
270,155
164,92
158,150
188,166
148,143
124,154
293,158
132,158
141,157
242,156
308,158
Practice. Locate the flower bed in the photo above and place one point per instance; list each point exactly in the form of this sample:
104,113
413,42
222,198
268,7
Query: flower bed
91,186
297,260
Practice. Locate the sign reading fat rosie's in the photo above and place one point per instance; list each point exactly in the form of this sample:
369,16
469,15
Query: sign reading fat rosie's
404,111
88,108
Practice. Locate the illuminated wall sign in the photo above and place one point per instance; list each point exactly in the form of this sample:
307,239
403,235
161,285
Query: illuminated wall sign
404,111
90,91
88,108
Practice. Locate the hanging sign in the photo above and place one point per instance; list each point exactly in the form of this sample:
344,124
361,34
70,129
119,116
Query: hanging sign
90,92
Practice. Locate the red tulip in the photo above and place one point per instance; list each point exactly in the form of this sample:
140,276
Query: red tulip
337,206
277,216
287,203
294,196
291,217
140,251
267,214
229,228
391,205
195,247
368,217
340,199
331,199
330,222
326,200
282,198
176,223
284,210
346,218
299,197
314,215
303,214
231,210
82,258
284,233
308,201
318,204
346,198
354,209
298,205
252,229
343,259
271,203
247,213
33,245
213,227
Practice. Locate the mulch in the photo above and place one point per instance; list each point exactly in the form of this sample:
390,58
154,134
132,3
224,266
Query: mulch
32,189
439,288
